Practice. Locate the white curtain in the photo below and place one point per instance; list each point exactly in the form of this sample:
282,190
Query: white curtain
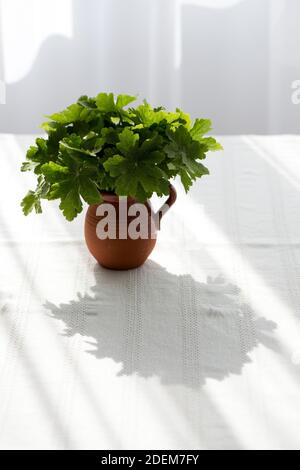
231,60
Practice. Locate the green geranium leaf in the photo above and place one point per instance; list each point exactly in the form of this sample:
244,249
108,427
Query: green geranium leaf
69,115
32,200
89,190
184,118
71,204
200,127
105,102
29,166
211,144
124,100
128,141
68,192
114,164
54,172
87,102
29,202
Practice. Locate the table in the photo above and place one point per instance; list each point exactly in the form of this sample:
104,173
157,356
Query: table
198,349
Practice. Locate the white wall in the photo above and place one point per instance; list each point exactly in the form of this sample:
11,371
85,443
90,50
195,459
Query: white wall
231,60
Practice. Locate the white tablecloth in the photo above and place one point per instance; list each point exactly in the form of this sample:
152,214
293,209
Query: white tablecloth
198,349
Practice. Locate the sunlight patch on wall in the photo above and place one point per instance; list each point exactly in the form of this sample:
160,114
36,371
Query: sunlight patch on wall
178,4
24,27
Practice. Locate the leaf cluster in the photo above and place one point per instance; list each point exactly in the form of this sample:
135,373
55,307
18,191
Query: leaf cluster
102,144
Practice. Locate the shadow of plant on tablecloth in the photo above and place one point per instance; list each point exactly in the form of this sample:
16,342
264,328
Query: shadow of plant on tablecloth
159,324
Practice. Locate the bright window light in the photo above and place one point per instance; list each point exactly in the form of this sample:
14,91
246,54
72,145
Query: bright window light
24,26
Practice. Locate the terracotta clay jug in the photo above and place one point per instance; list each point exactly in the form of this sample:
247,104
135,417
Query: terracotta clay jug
117,249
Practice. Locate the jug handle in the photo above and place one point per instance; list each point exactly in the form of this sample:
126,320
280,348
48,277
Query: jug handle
166,206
